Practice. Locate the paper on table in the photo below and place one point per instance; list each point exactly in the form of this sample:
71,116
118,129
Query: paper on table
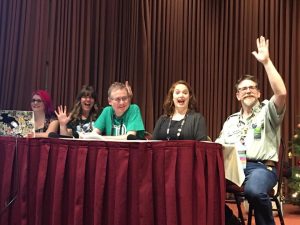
91,135
233,165
94,136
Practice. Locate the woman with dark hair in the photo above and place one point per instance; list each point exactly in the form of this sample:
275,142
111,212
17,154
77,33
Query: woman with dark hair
180,120
44,117
82,117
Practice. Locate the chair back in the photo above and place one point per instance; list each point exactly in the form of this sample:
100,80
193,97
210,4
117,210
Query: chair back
280,166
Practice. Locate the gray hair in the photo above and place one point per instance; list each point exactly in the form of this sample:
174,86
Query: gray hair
116,86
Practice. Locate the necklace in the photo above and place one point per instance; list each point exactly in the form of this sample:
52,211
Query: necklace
179,129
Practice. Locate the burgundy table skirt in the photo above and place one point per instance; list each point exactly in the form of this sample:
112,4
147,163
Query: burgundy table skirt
66,182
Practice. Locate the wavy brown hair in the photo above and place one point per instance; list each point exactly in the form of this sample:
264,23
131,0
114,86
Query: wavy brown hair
86,91
169,106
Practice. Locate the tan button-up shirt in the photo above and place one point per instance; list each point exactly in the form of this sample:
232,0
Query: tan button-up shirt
259,134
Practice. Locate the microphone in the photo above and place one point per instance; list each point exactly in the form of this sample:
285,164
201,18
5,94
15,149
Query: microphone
75,134
53,135
132,137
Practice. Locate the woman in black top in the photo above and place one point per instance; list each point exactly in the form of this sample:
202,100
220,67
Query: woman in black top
180,120
83,115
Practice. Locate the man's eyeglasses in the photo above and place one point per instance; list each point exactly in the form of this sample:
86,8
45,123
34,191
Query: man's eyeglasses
251,88
36,100
119,99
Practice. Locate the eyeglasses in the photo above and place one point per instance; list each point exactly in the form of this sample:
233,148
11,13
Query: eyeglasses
119,99
251,88
86,97
38,101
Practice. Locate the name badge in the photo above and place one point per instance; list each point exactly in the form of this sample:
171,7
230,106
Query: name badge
242,152
256,131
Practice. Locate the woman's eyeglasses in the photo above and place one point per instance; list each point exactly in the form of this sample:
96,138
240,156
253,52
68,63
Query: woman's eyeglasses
87,96
36,100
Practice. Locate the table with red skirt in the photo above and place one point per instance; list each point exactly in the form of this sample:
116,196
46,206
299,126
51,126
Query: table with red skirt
47,181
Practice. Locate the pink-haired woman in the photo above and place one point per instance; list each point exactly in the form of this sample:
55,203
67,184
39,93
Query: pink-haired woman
44,116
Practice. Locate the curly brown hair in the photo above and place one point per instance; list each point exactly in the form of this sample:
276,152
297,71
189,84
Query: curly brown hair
169,106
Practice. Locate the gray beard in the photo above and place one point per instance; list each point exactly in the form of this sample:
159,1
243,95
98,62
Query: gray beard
249,102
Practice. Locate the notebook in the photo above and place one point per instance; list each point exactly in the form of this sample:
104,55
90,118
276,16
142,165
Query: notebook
16,123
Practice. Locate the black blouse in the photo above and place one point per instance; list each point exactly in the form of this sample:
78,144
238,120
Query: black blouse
194,128
46,125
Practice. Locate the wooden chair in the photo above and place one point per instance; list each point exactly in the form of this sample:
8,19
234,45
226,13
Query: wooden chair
275,196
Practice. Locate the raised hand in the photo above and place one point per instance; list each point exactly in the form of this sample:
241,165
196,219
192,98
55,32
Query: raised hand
129,89
61,114
262,54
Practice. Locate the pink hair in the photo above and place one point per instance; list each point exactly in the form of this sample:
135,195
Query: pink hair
49,110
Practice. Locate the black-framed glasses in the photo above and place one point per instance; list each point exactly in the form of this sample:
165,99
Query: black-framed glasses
119,99
87,96
36,100
251,88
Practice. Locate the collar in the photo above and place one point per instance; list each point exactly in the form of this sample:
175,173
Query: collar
113,114
255,110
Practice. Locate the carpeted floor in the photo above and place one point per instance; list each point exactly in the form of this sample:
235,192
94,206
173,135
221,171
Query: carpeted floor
291,214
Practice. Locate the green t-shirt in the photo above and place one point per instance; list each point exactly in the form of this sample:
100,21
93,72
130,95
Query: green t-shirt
111,125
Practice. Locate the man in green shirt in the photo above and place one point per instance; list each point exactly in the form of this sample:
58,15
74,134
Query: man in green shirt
121,118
